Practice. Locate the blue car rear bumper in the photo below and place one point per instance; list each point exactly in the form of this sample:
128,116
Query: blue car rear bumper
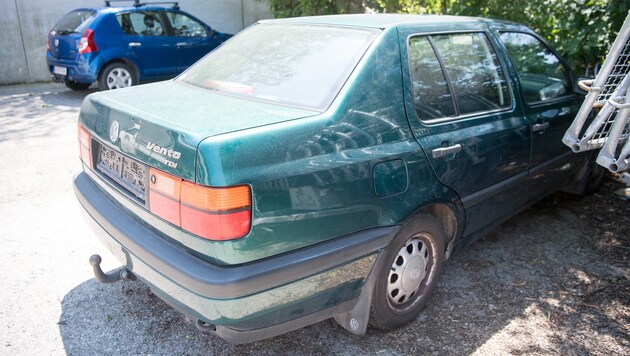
83,69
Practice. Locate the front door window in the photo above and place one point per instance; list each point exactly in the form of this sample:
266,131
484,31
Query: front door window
543,77
184,26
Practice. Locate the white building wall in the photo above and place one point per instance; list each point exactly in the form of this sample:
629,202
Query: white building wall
25,24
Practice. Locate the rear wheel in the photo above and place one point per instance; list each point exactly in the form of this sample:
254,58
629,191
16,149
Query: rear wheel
409,274
116,76
74,85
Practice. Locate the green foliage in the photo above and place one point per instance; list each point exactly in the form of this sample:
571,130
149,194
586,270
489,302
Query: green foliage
408,6
292,8
581,30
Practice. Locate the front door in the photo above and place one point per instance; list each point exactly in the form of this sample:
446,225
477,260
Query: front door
463,114
550,106
192,39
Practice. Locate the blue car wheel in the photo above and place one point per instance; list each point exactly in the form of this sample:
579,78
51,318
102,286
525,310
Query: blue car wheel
116,76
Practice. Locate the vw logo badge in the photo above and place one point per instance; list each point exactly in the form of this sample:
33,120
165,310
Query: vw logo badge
113,131
56,42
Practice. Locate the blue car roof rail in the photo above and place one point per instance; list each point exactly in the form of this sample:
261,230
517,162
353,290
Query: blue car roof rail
137,3
175,3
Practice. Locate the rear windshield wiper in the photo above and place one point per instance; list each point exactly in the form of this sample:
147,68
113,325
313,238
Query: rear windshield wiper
65,32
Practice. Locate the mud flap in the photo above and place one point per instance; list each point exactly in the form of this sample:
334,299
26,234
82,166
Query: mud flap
356,320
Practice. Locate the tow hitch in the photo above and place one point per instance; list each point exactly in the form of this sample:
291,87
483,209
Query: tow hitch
114,276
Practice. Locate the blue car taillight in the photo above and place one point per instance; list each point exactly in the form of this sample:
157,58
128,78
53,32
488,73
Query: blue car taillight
86,43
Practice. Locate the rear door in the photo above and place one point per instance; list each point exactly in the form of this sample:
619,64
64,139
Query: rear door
462,112
146,36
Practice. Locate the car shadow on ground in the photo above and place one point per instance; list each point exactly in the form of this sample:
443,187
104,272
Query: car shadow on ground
540,283
67,97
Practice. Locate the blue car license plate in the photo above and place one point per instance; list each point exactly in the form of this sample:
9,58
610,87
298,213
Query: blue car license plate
60,70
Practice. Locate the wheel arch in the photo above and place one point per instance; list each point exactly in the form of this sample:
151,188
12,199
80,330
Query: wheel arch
131,64
450,218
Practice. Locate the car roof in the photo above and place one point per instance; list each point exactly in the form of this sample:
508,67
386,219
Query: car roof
383,21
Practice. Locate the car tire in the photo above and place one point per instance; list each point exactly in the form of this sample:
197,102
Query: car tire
409,273
74,85
116,76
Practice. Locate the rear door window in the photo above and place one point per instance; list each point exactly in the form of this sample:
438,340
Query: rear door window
456,75
74,22
145,23
432,96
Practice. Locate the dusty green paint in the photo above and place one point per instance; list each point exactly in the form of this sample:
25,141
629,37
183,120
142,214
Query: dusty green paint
312,174
153,113
312,178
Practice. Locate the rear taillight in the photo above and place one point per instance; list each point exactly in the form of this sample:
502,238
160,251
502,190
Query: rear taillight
212,213
84,145
164,196
216,213
86,43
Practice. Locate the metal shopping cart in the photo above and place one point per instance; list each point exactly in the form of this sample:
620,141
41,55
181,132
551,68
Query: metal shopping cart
608,99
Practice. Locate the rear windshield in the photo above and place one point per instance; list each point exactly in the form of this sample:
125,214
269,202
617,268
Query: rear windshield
73,22
296,65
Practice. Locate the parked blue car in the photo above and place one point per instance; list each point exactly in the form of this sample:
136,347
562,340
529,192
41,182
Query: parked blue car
121,46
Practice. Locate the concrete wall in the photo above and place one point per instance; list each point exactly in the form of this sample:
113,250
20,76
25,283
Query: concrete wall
25,25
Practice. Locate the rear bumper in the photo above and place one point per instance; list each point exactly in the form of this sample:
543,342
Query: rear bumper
246,302
79,70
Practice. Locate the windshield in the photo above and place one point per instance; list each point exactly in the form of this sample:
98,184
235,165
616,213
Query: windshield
297,65
73,22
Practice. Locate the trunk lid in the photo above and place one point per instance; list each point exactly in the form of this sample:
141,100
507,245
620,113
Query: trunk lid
162,124
64,46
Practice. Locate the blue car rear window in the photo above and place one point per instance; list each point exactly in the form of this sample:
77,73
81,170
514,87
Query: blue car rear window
74,21
297,65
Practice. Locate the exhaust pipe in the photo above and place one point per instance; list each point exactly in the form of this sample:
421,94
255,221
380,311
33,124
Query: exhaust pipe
114,276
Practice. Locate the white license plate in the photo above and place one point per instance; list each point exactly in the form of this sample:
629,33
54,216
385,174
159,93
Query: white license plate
125,171
60,70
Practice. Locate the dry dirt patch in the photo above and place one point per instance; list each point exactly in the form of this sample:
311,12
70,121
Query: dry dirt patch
552,280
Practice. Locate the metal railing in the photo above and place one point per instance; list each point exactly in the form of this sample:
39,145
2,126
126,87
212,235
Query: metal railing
608,99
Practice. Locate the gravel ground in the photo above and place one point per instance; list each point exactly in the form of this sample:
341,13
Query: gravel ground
552,280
